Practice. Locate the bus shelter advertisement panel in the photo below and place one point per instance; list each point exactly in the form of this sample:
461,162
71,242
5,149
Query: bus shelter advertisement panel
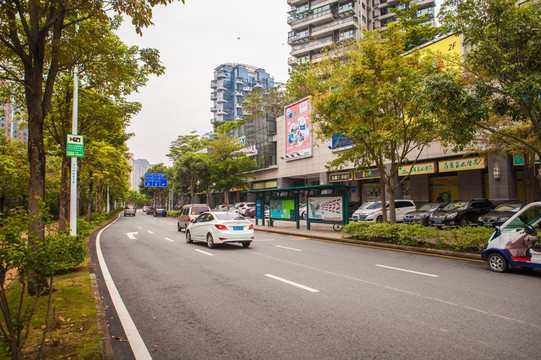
298,137
326,208
282,209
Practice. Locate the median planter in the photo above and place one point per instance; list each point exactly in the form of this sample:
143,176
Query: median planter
470,239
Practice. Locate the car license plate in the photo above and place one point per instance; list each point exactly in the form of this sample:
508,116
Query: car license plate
361,218
407,220
437,222
356,217
487,224
238,228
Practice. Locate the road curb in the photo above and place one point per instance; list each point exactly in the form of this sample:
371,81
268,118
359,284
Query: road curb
101,319
321,236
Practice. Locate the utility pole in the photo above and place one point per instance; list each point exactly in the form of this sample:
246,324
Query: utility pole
74,126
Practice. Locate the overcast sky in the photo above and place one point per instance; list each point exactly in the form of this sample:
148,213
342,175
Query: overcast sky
193,39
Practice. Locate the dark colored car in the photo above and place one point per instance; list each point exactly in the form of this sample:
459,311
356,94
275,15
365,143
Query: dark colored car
150,210
499,215
460,212
251,212
420,216
160,212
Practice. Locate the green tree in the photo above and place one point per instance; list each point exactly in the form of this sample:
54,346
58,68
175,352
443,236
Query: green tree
418,30
191,174
14,172
498,89
370,97
262,101
35,37
184,144
230,167
158,195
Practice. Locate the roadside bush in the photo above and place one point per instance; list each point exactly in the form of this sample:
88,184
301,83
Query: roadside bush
65,251
464,239
173,213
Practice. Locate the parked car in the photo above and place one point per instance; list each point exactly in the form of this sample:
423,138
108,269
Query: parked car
189,212
145,208
251,212
460,212
499,215
130,210
302,211
420,216
515,243
150,210
355,213
220,227
374,213
352,207
160,212
222,207
242,207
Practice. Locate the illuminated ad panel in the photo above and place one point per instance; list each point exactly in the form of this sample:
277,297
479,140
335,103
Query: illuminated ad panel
298,137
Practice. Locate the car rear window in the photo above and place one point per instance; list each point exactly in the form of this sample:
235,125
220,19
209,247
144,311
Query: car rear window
230,216
196,210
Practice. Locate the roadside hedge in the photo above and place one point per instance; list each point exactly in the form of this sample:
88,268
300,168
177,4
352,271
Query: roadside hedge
464,239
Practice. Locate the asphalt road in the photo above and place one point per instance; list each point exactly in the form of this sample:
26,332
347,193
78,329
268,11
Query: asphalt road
296,298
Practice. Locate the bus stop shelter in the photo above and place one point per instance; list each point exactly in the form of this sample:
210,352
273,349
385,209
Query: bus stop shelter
327,203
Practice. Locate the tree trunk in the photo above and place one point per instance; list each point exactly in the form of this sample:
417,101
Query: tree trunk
529,178
382,196
89,199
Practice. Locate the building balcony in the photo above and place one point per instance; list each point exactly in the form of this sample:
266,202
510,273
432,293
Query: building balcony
301,50
296,2
221,100
221,88
301,38
239,93
312,19
239,81
238,106
258,86
221,112
329,29
345,11
247,89
214,109
221,75
213,84
213,96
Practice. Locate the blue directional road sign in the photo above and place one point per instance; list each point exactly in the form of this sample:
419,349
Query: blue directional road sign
155,180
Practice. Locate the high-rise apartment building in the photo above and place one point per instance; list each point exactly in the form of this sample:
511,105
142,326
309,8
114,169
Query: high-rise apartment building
317,24
11,124
139,168
230,84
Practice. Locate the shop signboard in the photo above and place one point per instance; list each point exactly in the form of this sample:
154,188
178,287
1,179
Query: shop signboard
473,163
367,174
265,185
417,169
337,177
298,130
518,160
340,141
325,208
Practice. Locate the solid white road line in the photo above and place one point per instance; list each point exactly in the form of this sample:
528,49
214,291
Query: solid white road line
288,248
408,271
292,283
204,252
169,239
137,345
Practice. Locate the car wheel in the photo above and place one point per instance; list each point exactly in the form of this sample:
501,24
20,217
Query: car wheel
496,262
246,244
210,241
179,229
189,237
463,221
379,219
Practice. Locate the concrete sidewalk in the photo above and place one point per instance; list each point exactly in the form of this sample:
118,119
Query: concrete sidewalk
326,232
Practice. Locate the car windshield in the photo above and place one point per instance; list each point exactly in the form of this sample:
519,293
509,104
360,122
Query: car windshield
457,205
229,216
196,210
531,216
429,207
375,206
508,207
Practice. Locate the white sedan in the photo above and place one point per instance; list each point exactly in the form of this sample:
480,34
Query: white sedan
220,227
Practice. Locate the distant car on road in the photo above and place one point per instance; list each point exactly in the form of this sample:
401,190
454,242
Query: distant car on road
460,212
130,210
150,210
499,215
145,208
160,212
220,227
420,216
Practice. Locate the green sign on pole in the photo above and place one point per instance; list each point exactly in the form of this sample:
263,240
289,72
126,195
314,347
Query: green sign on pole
75,146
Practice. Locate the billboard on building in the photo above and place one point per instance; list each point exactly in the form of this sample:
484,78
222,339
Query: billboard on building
298,137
